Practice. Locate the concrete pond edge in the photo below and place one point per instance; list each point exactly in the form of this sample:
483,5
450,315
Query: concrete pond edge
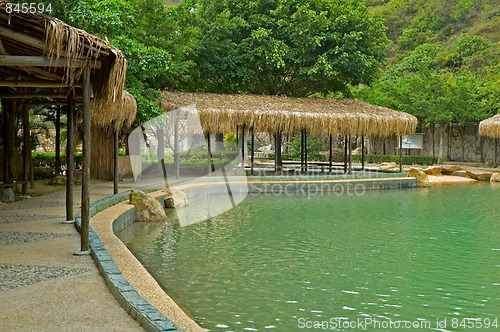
149,317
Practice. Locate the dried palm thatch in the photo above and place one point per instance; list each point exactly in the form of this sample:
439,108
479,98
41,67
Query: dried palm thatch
319,116
490,127
124,111
51,37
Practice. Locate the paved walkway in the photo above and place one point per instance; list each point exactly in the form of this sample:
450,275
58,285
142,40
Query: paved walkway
43,286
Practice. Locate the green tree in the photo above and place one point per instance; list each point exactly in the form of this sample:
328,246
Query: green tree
286,47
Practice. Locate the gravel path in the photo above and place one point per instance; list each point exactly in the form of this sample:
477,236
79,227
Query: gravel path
43,286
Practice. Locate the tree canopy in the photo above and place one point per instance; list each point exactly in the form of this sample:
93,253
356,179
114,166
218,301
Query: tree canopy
288,47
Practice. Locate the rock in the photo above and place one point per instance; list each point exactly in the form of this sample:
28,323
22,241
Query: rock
391,166
449,169
420,175
77,177
495,177
146,207
7,195
58,181
175,198
478,175
433,170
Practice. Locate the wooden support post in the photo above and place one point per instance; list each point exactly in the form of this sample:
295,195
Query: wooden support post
400,153
305,150
253,153
345,154
176,147
160,148
70,156
495,152
9,109
58,141
350,155
237,135
116,137
330,159
363,152
209,155
302,150
278,161
243,146
85,212
26,147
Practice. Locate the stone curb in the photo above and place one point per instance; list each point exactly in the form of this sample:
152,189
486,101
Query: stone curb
150,318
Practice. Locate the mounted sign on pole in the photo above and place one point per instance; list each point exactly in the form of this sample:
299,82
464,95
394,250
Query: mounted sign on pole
412,141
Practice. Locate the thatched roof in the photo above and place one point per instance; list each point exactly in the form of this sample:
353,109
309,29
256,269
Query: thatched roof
490,127
40,35
319,116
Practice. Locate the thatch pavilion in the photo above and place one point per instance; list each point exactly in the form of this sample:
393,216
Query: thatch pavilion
44,61
278,114
491,128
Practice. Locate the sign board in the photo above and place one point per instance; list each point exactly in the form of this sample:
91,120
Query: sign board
412,142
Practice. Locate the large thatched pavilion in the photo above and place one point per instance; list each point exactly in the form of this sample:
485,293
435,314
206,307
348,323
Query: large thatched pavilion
284,115
44,61
491,128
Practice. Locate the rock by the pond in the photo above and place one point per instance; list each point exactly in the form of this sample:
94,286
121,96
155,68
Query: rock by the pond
146,207
59,180
478,175
7,195
495,177
420,175
175,198
448,169
389,166
433,170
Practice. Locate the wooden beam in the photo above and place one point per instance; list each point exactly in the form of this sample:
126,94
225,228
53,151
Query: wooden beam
51,103
63,94
22,37
42,73
42,61
35,42
39,84
2,49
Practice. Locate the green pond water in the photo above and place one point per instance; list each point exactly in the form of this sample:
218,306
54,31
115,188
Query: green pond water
282,263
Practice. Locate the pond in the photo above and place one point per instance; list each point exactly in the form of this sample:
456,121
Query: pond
289,262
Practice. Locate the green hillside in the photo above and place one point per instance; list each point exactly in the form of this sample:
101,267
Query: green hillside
413,22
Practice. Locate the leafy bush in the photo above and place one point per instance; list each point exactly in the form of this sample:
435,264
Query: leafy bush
48,159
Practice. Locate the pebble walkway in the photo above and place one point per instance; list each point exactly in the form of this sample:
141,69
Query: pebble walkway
43,286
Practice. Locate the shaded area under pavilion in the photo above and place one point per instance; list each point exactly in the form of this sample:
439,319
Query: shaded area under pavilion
278,115
491,128
44,61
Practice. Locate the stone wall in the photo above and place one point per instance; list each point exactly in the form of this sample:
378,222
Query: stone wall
460,144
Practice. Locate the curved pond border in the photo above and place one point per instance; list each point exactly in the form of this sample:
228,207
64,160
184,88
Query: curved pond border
148,316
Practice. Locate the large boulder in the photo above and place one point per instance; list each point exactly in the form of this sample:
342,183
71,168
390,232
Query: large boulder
175,198
420,175
6,194
59,180
146,207
389,166
433,170
495,177
478,175
449,169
